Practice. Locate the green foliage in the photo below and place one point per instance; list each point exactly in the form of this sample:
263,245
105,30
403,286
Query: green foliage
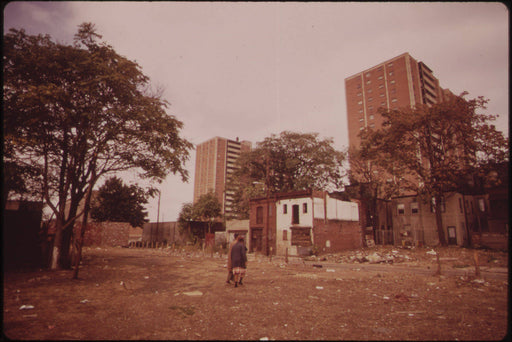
288,162
118,202
207,207
80,112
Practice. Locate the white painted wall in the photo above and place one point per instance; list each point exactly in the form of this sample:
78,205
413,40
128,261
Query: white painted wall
284,222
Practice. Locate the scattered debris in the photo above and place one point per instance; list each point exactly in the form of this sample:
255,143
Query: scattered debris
193,293
84,301
26,307
319,287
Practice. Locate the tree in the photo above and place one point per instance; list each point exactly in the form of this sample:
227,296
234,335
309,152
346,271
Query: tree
186,216
369,183
207,209
117,202
79,113
429,149
288,162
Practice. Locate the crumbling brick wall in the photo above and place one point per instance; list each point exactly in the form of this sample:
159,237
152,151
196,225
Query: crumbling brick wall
105,233
336,235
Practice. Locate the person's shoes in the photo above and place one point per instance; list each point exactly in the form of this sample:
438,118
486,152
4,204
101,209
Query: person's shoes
236,284
240,282
228,282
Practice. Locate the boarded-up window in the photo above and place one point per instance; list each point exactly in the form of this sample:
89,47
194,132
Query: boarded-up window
285,209
259,215
301,237
295,214
304,208
285,235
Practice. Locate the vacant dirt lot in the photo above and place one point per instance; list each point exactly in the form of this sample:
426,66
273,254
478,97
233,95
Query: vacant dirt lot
142,294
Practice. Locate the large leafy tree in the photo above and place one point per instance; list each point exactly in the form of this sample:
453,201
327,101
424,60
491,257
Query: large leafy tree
79,112
207,209
430,149
287,162
117,202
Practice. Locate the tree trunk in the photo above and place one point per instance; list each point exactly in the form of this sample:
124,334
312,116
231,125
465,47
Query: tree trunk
57,245
82,232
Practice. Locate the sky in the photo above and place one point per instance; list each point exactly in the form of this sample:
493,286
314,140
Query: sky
253,69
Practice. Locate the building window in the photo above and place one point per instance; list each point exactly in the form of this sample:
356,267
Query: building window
481,205
383,103
360,110
371,117
295,214
285,235
391,73
400,208
394,100
390,64
359,102
361,128
370,99
433,205
380,77
368,82
460,206
381,86
359,94
414,207
259,215
361,120
372,125
369,90
285,209
392,81
304,208
358,86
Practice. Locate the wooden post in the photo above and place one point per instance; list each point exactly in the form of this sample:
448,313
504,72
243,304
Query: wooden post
286,256
438,272
477,267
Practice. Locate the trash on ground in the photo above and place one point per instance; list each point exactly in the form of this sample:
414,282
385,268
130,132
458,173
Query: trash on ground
26,307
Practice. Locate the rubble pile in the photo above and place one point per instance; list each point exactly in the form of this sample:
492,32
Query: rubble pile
369,256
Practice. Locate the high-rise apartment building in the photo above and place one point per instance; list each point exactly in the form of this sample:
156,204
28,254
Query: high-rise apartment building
215,163
396,83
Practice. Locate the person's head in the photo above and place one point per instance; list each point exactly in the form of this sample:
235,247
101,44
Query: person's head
236,236
240,238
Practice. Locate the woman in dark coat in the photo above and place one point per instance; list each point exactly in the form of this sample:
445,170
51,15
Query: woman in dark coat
239,260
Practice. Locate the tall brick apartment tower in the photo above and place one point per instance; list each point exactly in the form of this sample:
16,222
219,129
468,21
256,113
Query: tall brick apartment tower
215,162
399,82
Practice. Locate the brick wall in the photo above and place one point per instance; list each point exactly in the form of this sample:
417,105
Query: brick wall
334,235
105,233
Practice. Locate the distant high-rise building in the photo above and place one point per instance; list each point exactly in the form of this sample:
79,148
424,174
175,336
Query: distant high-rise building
215,163
399,82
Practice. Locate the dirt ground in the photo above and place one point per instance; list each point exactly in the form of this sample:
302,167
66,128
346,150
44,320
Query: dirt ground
151,294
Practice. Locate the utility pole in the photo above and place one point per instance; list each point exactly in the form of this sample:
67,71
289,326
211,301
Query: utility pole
157,214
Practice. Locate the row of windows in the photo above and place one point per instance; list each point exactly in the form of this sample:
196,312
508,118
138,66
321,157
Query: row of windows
415,207
295,212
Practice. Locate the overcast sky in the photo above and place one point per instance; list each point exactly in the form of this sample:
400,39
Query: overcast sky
252,69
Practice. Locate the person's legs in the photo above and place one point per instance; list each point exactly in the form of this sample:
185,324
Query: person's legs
230,276
236,273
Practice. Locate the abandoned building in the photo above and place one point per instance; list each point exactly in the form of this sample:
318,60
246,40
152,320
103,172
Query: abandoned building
295,223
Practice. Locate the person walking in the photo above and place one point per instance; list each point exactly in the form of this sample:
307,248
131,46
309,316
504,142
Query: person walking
239,260
230,265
